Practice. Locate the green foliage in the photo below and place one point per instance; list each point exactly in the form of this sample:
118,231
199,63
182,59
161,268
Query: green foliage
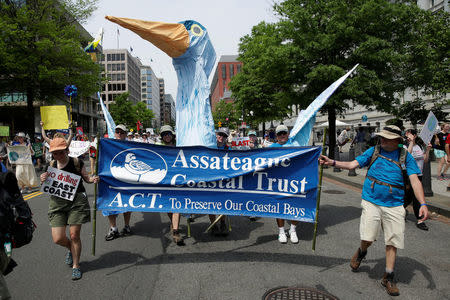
143,114
41,51
124,112
224,111
415,112
397,45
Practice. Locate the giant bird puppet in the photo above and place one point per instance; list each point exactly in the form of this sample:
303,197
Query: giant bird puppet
194,56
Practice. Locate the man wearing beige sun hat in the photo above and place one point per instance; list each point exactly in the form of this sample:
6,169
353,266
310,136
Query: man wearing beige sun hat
382,198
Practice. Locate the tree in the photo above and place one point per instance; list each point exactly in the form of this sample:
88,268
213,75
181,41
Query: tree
41,50
228,114
316,41
124,112
143,114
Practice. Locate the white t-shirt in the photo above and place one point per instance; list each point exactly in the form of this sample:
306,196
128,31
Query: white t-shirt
419,156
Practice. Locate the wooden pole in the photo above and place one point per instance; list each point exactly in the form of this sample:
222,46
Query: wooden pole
316,219
94,204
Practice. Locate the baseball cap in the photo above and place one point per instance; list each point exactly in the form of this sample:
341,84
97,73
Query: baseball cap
281,128
223,130
252,132
121,127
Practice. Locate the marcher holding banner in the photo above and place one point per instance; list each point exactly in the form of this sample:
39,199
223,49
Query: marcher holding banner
382,199
168,139
58,134
64,212
25,173
282,133
113,233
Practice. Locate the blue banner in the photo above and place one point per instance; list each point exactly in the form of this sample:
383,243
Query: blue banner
271,182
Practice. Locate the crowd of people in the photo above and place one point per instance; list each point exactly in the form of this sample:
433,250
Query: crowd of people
381,207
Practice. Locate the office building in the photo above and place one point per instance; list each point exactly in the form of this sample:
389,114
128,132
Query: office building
226,68
150,93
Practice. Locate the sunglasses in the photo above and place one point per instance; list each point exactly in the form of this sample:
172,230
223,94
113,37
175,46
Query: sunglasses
165,133
281,133
120,131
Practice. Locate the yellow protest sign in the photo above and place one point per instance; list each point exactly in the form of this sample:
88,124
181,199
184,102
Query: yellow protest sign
4,130
54,117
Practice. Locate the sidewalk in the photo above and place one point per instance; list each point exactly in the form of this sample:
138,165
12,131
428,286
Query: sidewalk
439,202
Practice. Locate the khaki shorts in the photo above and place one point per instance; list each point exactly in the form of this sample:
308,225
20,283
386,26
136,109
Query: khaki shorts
63,212
390,219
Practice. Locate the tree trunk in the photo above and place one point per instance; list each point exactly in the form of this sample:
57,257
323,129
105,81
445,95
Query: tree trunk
30,112
331,130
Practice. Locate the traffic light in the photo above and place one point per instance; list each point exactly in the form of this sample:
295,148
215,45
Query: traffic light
220,124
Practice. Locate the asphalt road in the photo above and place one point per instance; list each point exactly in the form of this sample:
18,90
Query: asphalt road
243,265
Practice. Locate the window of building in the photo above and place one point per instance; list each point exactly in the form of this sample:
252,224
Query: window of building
224,71
114,67
108,56
124,88
224,82
144,90
238,68
123,67
122,56
231,70
110,97
144,83
108,67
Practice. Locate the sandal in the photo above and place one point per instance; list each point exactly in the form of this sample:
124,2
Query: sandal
69,258
177,239
76,274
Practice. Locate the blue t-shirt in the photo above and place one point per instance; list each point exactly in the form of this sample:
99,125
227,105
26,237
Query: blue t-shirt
388,172
275,145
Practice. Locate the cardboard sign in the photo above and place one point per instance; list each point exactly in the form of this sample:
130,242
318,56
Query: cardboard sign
4,130
78,148
240,143
429,129
19,155
61,184
54,117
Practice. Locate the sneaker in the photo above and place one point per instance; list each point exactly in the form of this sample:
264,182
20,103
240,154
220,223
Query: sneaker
253,219
112,234
76,274
282,238
356,259
389,284
422,226
126,231
293,237
69,258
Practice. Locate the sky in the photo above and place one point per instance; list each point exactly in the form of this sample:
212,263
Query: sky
226,22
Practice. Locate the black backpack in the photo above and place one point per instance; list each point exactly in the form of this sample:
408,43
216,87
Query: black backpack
16,224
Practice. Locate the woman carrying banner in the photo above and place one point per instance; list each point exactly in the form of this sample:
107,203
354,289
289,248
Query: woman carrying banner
282,133
26,174
58,134
168,139
63,212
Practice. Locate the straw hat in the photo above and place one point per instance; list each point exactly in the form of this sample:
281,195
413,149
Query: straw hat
167,128
390,132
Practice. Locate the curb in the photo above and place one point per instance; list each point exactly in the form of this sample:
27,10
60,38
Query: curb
431,207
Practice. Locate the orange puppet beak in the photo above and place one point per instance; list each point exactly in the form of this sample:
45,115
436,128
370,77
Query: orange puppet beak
171,38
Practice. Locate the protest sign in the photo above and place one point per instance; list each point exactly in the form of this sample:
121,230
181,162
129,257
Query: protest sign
61,184
54,117
19,155
272,182
80,131
429,129
240,143
4,130
78,148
